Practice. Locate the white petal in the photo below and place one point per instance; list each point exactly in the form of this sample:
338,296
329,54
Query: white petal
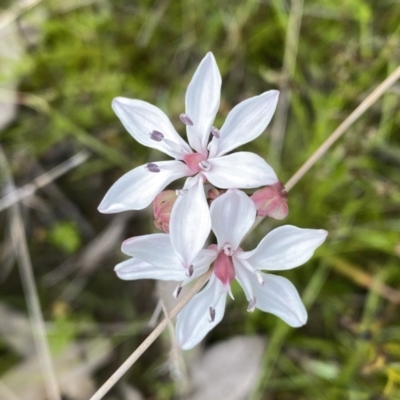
232,215
278,296
193,321
141,118
137,188
245,122
285,247
241,170
134,268
190,222
243,277
201,265
155,249
202,102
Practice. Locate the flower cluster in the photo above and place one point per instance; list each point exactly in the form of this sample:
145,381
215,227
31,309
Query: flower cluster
187,219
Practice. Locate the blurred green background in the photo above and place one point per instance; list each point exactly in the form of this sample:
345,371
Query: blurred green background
62,62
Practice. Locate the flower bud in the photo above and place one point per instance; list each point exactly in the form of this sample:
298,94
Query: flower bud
162,207
271,201
213,193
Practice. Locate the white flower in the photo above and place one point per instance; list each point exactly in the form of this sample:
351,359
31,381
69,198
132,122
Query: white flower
286,247
171,257
232,215
151,127
178,256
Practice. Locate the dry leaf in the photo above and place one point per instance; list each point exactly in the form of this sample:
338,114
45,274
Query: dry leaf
73,368
228,370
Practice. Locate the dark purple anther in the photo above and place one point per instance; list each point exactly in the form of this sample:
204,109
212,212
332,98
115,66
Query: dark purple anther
153,167
185,119
211,311
215,132
157,136
190,271
177,291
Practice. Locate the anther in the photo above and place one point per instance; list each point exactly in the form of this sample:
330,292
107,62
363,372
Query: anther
211,317
215,132
228,249
153,167
185,119
252,305
190,271
181,192
205,165
177,291
157,136
259,277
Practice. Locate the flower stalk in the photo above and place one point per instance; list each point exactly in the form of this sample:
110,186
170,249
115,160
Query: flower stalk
116,376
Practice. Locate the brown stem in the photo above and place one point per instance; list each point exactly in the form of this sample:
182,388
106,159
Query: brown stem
150,339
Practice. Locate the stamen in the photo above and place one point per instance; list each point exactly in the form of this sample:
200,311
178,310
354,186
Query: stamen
211,317
228,249
215,132
157,136
185,119
259,277
177,291
153,167
190,271
205,165
181,192
252,305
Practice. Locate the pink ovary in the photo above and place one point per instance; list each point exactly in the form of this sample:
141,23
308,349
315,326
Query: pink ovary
224,269
193,161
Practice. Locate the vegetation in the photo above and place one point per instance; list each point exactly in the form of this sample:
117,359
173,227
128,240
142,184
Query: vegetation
77,56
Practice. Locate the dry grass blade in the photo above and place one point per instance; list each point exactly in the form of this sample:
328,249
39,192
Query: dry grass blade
6,393
353,117
7,258
176,361
16,333
89,259
364,106
43,180
364,279
28,282
75,366
150,24
289,65
18,9
150,339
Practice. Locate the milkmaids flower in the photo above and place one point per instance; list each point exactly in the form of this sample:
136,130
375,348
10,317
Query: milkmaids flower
205,161
178,256
286,247
232,215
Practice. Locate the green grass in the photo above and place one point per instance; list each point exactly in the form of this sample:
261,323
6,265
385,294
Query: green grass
350,349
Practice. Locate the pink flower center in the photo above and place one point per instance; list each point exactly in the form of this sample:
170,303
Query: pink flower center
223,268
197,162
